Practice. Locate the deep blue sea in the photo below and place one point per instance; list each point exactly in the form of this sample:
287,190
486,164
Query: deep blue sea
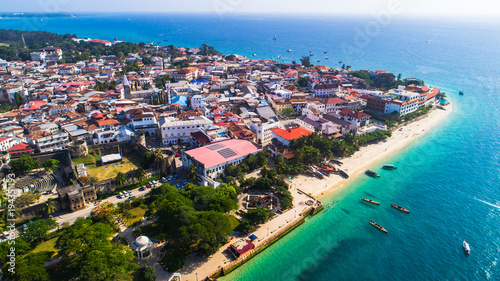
449,179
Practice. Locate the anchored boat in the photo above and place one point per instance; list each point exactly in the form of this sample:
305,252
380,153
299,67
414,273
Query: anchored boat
389,167
378,226
466,247
400,208
372,174
370,201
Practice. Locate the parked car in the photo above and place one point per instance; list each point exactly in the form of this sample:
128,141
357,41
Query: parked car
142,188
148,186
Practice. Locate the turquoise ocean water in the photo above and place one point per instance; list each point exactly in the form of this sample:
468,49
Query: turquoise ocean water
449,179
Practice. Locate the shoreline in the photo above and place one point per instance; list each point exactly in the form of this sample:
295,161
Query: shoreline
367,156
304,187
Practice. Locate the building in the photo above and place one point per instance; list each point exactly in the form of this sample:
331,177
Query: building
400,101
322,90
284,136
359,119
334,104
141,247
49,142
143,119
298,105
210,161
175,131
75,197
7,142
263,130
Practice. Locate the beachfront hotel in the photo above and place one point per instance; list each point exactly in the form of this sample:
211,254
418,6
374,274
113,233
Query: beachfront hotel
210,161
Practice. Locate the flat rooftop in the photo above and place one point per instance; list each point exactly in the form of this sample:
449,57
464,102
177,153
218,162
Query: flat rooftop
223,152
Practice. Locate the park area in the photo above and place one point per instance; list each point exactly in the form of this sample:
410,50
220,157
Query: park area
130,161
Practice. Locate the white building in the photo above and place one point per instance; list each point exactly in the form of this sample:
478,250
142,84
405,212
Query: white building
263,130
7,142
174,130
143,119
50,143
197,101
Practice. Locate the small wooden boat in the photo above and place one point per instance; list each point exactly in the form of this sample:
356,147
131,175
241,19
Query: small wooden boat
461,93
325,172
378,226
336,162
400,208
466,247
289,50
372,174
389,167
343,174
370,201
320,175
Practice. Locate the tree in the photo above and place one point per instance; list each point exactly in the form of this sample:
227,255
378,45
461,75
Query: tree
303,81
30,267
18,99
158,158
120,179
51,164
288,112
49,206
191,172
147,60
104,212
140,174
37,230
149,274
174,261
88,253
21,245
258,215
25,199
24,164
206,50
306,61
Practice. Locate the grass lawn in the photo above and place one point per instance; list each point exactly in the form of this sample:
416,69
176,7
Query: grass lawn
46,246
89,159
104,172
233,221
137,214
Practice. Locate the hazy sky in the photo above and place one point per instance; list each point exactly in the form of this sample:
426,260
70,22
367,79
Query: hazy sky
424,8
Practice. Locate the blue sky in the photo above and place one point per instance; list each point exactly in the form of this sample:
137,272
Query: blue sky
424,8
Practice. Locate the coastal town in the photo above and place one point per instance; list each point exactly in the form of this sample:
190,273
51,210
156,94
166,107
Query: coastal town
192,160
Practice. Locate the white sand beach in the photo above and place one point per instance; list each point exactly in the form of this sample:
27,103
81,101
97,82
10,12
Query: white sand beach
370,154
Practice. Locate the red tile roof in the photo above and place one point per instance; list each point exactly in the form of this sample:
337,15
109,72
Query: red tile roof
291,134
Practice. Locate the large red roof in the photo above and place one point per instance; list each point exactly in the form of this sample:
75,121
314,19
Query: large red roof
291,134
212,155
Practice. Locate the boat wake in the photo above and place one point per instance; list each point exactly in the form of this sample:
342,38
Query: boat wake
488,203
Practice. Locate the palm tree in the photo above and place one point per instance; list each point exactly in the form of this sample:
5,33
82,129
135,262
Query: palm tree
140,174
120,179
126,215
191,172
49,206
157,157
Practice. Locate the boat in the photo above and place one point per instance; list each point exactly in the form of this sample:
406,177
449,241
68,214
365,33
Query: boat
372,174
370,201
279,56
466,247
274,38
320,175
340,61
254,55
327,58
289,50
325,172
400,208
461,93
379,226
311,55
336,162
310,51
343,174
389,167
325,52
319,60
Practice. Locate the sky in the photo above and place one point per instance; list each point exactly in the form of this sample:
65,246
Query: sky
423,8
